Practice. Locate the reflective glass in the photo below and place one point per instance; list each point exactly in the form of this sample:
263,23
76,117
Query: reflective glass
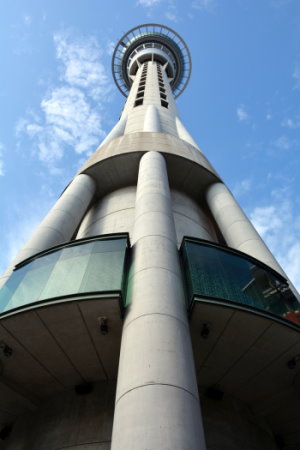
91,266
217,273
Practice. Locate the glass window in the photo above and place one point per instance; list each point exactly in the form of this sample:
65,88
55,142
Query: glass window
87,266
223,274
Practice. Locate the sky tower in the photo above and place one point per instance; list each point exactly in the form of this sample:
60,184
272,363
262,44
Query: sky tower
144,288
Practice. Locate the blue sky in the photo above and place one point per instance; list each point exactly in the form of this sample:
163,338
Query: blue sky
58,101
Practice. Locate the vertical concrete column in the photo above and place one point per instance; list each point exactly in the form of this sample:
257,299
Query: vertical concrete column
152,121
184,134
118,130
63,219
235,226
157,404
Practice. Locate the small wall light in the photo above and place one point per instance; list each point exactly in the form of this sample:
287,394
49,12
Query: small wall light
103,325
293,362
7,351
205,330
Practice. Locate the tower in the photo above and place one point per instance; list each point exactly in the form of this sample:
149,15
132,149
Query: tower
144,286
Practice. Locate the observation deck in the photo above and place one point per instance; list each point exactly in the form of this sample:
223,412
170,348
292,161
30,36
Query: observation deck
151,42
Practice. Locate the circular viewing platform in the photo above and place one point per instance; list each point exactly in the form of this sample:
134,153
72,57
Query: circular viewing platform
151,42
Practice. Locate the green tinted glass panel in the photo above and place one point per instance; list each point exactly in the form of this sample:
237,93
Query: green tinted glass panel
104,268
216,273
92,266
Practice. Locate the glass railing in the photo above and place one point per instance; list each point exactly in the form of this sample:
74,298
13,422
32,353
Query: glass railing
216,272
81,267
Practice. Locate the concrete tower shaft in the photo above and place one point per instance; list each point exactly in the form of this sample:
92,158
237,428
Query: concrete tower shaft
146,282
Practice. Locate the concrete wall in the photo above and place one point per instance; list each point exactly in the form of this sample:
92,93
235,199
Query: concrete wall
112,214
71,422
67,421
189,219
230,425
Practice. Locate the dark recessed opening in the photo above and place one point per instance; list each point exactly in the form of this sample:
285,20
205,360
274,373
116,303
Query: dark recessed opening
163,96
162,89
214,393
5,432
139,102
164,103
84,388
279,441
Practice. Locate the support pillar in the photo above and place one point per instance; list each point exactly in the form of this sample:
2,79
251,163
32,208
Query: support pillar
157,404
60,223
237,230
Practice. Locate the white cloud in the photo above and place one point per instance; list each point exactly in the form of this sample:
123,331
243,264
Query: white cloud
70,116
69,122
172,16
204,5
242,114
296,76
279,225
81,64
242,187
283,143
291,123
170,12
27,20
268,116
148,3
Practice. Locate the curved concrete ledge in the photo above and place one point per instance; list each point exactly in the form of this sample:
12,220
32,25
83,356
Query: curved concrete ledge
115,165
245,355
148,141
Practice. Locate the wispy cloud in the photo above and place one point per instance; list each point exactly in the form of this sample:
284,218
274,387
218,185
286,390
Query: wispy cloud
279,225
27,20
242,113
283,143
1,160
82,66
296,76
204,5
148,3
22,224
69,118
170,11
291,123
242,187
